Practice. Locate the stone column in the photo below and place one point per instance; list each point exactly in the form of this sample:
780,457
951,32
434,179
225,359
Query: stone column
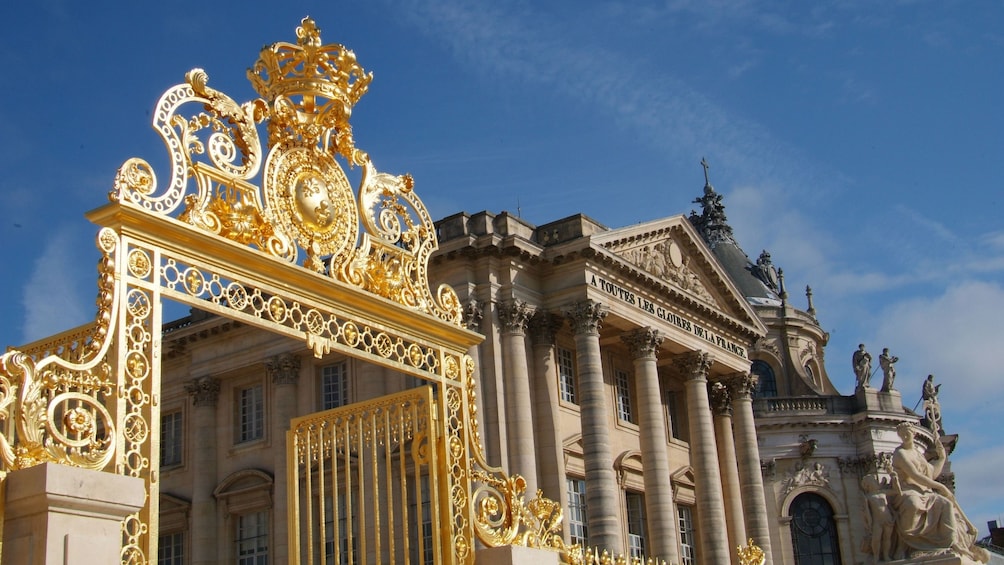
56,514
721,405
703,454
543,326
205,392
662,527
741,385
513,317
602,492
283,370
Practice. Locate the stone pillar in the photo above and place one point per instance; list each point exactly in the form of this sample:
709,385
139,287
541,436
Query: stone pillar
543,326
513,317
704,455
56,514
602,492
205,392
741,386
721,405
662,527
283,370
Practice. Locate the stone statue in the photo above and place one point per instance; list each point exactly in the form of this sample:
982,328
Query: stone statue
880,523
932,406
888,364
862,362
929,521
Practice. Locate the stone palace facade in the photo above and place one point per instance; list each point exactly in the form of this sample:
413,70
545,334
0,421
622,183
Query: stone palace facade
652,378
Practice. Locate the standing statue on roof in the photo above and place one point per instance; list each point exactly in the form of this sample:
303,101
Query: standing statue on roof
932,406
862,363
888,364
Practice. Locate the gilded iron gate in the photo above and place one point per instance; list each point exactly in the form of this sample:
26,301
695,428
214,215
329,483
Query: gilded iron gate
300,256
368,484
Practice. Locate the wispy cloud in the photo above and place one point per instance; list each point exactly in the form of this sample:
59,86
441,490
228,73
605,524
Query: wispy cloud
52,299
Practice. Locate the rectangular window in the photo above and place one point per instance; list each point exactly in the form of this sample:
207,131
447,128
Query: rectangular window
250,413
624,411
688,555
171,549
170,439
673,408
578,533
566,375
334,385
252,539
635,524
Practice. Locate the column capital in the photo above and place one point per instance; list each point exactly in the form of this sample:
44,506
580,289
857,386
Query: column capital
283,369
721,400
741,385
514,315
642,342
694,364
543,326
474,311
205,391
586,316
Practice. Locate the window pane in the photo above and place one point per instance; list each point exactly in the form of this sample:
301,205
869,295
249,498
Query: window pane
624,411
170,439
250,413
566,375
767,384
252,539
577,511
687,542
636,524
170,549
334,385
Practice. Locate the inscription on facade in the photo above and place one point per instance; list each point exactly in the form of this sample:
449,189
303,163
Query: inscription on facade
628,297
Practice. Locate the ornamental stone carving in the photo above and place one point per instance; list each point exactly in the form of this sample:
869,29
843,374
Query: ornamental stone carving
205,391
283,369
693,364
721,400
586,317
642,342
742,385
801,475
513,316
474,311
544,326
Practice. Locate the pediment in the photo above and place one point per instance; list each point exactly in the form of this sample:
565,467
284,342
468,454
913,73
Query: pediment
671,252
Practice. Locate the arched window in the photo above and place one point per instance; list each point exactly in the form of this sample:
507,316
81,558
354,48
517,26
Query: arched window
813,531
767,387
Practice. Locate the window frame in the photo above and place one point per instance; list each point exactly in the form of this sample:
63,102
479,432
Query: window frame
345,391
258,552
568,378
687,531
257,417
578,529
635,523
177,439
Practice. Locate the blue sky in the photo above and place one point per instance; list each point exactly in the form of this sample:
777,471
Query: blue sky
859,141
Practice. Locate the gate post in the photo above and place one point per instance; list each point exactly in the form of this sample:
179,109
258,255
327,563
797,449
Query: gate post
57,514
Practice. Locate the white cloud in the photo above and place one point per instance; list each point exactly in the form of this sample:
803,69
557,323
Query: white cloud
955,336
978,487
53,299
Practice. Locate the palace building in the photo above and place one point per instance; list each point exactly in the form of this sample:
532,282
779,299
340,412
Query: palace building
652,379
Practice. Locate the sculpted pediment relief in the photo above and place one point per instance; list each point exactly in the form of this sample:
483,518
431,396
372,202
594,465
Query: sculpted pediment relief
666,260
670,251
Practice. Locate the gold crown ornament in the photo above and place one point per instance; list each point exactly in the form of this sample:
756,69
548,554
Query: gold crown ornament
312,88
